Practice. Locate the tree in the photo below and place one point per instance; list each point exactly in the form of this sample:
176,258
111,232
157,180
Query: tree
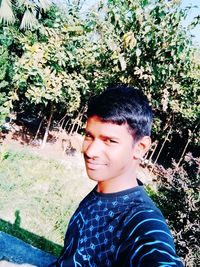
46,73
25,13
143,44
140,43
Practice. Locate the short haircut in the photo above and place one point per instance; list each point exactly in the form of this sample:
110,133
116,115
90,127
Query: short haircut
123,105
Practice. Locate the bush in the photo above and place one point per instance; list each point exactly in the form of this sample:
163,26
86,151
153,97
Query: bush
178,198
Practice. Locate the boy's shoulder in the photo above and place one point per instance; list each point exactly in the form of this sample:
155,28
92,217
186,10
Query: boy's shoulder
134,199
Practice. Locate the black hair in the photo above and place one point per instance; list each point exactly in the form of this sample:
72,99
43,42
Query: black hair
121,105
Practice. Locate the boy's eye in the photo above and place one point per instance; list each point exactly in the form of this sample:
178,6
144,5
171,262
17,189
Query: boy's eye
88,135
111,141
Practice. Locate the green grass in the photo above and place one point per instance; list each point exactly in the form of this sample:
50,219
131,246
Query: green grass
38,196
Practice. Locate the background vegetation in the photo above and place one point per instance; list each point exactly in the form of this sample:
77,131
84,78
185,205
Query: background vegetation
178,198
51,69
52,61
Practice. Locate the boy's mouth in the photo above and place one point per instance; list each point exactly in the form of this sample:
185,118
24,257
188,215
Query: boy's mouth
93,165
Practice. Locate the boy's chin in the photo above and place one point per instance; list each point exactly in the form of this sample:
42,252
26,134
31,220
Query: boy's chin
96,177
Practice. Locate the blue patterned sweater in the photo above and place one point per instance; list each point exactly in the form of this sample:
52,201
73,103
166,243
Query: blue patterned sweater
118,229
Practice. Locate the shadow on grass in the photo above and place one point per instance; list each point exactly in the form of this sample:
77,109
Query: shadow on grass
28,237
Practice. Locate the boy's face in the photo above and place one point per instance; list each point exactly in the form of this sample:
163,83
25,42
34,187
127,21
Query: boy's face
109,153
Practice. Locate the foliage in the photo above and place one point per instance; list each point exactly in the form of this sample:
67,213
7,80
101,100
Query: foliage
24,13
46,66
146,46
4,109
70,57
178,198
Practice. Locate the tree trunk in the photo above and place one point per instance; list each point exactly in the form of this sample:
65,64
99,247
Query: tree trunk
38,130
66,127
153,151
47,130
79,124
183,153
166,138
73,125
77,120
62,121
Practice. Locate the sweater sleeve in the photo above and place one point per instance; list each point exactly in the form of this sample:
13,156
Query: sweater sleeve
148,242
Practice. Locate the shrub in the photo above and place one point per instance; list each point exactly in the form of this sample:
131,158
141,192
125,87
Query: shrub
178,198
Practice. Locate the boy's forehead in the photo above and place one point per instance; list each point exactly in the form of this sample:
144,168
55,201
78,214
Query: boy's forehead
96,123
100,121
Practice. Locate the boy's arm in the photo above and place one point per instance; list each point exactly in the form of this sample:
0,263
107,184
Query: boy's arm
148,242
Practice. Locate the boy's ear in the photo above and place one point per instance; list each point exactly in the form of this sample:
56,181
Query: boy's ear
141,147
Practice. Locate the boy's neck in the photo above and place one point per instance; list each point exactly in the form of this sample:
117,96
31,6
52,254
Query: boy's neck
112,186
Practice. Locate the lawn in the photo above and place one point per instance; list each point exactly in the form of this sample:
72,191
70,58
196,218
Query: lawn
38,195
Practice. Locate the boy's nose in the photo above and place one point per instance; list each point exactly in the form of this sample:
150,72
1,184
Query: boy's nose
93,149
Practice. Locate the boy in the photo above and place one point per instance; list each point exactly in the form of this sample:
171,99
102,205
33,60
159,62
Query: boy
117,224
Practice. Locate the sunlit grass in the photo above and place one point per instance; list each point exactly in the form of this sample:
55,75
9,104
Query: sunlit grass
40,195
